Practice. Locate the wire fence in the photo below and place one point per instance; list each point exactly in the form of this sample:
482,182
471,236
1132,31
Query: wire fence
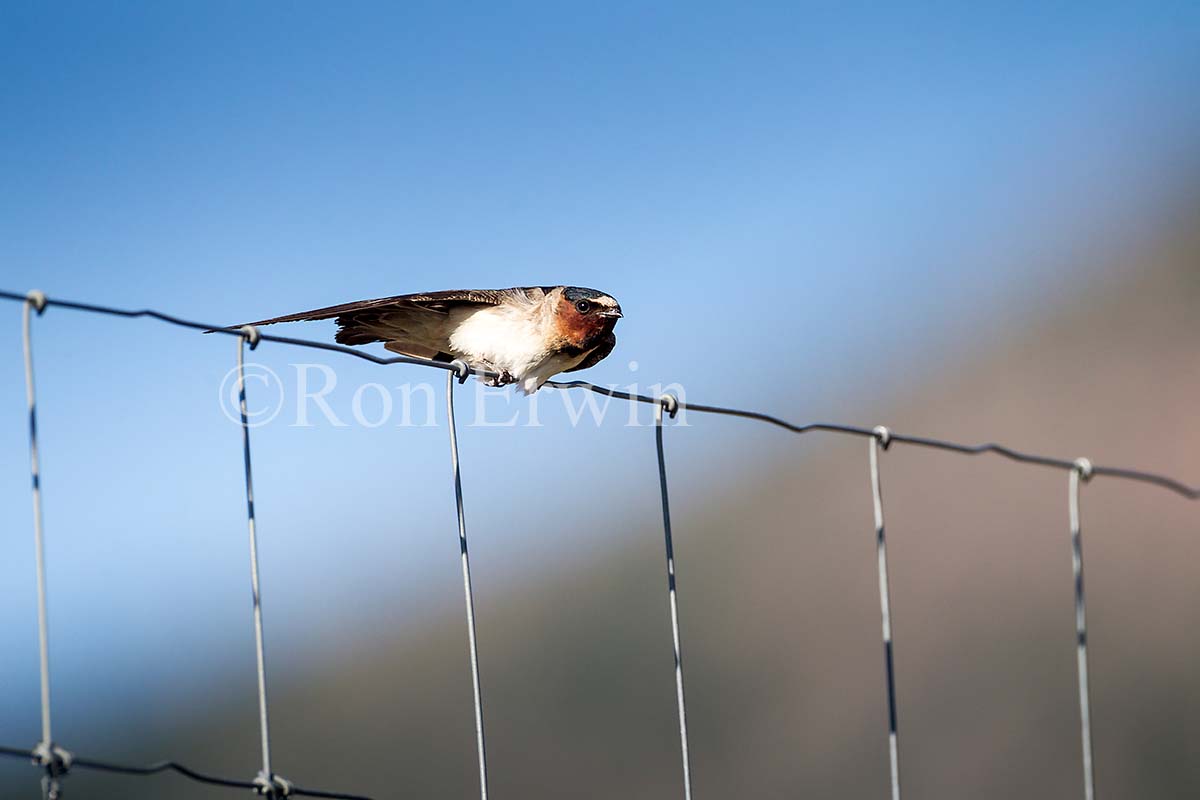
55,762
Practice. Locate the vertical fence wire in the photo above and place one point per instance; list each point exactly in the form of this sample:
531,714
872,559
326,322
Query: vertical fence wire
670,404
468,593
882,438
1082,472
38,539
266,778
51,757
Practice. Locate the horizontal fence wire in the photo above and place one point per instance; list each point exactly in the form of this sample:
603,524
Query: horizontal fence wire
1171,484
95,765
56,762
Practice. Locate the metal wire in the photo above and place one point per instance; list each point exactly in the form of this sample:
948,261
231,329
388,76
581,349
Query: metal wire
1082,472
1178,487
173,766
39,542
1163,481
267,779
230,331
56,761
882,438
468,594
671,404
47,755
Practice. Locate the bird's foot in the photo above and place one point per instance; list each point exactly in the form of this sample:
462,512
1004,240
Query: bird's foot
502,378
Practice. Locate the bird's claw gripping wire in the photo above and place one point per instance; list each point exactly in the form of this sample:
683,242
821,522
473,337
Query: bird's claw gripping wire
37,299
501,378
272,786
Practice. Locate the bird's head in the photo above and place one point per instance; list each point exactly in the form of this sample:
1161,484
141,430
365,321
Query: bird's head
585,315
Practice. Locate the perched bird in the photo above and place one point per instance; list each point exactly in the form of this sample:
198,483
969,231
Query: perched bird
525,335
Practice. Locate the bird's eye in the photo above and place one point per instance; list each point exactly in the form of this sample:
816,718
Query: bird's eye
583,306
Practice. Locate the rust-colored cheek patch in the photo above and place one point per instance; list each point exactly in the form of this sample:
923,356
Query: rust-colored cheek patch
579,330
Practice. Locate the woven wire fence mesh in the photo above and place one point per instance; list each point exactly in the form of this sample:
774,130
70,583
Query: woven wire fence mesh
55,762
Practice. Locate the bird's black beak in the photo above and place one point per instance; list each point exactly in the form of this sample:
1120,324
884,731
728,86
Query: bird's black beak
611,312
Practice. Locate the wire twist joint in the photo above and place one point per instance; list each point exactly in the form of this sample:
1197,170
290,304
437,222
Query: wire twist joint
462,370
272,786
251,334
37,299
1085,469
53,758
670,404
883,435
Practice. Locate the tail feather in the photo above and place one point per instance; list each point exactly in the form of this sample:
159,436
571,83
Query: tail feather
407,348
312,316
349,334
343,310
345,314
407,327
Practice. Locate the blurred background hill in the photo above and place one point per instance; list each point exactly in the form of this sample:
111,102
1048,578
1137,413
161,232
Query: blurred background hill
976,227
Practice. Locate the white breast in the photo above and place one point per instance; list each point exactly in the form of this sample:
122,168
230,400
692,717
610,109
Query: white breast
511,338
505,337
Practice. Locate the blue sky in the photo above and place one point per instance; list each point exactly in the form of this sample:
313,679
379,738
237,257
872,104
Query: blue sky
789,201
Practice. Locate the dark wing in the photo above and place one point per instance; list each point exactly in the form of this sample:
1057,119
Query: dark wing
368,321
599,354
433,301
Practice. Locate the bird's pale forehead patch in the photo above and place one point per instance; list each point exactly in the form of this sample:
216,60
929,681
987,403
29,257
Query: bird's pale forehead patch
575,293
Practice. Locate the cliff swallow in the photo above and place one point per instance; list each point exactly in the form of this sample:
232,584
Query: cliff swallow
525,334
